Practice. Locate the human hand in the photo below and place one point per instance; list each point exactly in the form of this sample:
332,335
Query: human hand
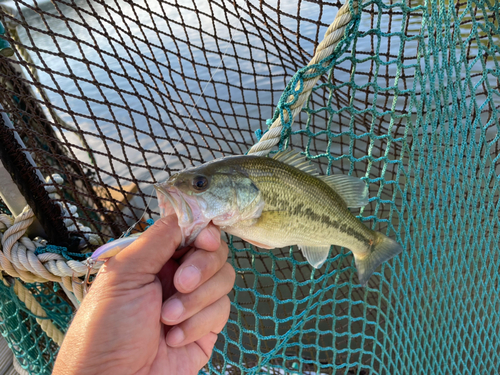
127,325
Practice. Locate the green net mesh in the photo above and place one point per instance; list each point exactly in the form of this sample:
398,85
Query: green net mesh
410,104
35,352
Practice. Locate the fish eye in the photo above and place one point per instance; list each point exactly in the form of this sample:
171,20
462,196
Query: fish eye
200,183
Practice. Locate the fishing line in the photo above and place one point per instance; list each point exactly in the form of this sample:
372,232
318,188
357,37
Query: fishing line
189,120
127,232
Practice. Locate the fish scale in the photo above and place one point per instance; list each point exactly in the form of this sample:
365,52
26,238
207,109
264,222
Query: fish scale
311,213
277,202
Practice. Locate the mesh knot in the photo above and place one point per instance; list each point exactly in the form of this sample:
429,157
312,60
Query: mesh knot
61,250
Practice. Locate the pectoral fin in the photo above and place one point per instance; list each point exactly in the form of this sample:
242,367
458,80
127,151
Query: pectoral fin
315,255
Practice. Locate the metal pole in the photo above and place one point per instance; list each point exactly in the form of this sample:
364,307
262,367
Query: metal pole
21,183
10,193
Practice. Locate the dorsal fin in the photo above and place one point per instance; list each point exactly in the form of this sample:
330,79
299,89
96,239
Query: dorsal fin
295,159
351,189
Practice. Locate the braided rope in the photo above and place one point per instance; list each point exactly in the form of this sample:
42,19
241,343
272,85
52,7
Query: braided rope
32,304
17,251
18,258
333,35
18,367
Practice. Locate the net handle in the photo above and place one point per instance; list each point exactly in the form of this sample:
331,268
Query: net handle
333,35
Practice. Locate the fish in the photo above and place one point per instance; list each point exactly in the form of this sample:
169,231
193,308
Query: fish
274,202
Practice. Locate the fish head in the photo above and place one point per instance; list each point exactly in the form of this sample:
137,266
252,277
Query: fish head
216,191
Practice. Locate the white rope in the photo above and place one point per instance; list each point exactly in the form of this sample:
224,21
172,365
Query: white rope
332,37
18,258
18,367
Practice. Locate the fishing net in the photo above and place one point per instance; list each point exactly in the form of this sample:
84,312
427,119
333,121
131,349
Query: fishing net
115,96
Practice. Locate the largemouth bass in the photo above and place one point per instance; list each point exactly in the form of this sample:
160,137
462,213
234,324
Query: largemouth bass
277,202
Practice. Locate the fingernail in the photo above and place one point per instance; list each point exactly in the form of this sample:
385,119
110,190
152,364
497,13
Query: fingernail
175,336
172,310
189,277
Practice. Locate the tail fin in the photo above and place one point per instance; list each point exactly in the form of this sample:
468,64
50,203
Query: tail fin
382,250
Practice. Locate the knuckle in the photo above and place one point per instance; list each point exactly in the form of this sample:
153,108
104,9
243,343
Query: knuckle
210,262
229,272
219,258
163,227
205,261
226,277
163,224
190,301
224,249
185,254
226,304
225,309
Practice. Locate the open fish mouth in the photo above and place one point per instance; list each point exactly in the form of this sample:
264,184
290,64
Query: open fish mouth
189,215
170,201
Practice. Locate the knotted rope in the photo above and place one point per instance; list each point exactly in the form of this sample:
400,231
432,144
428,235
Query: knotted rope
18,258
36,309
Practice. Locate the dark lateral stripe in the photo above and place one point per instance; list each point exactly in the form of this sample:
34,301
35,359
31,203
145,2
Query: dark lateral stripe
300,210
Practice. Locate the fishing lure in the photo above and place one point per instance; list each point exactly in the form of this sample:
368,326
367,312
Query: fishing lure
103,253
112,248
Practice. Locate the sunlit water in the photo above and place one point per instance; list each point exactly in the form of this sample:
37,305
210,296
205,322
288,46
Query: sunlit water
82,102
101,85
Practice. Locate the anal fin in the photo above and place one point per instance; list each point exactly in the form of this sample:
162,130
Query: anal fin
315,255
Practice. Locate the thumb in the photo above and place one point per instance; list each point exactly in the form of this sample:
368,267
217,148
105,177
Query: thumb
151,250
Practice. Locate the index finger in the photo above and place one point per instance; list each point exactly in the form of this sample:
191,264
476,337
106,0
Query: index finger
198,266
209,238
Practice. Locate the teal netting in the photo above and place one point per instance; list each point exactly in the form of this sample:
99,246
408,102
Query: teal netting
429,151
410,104
35,352
3,208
